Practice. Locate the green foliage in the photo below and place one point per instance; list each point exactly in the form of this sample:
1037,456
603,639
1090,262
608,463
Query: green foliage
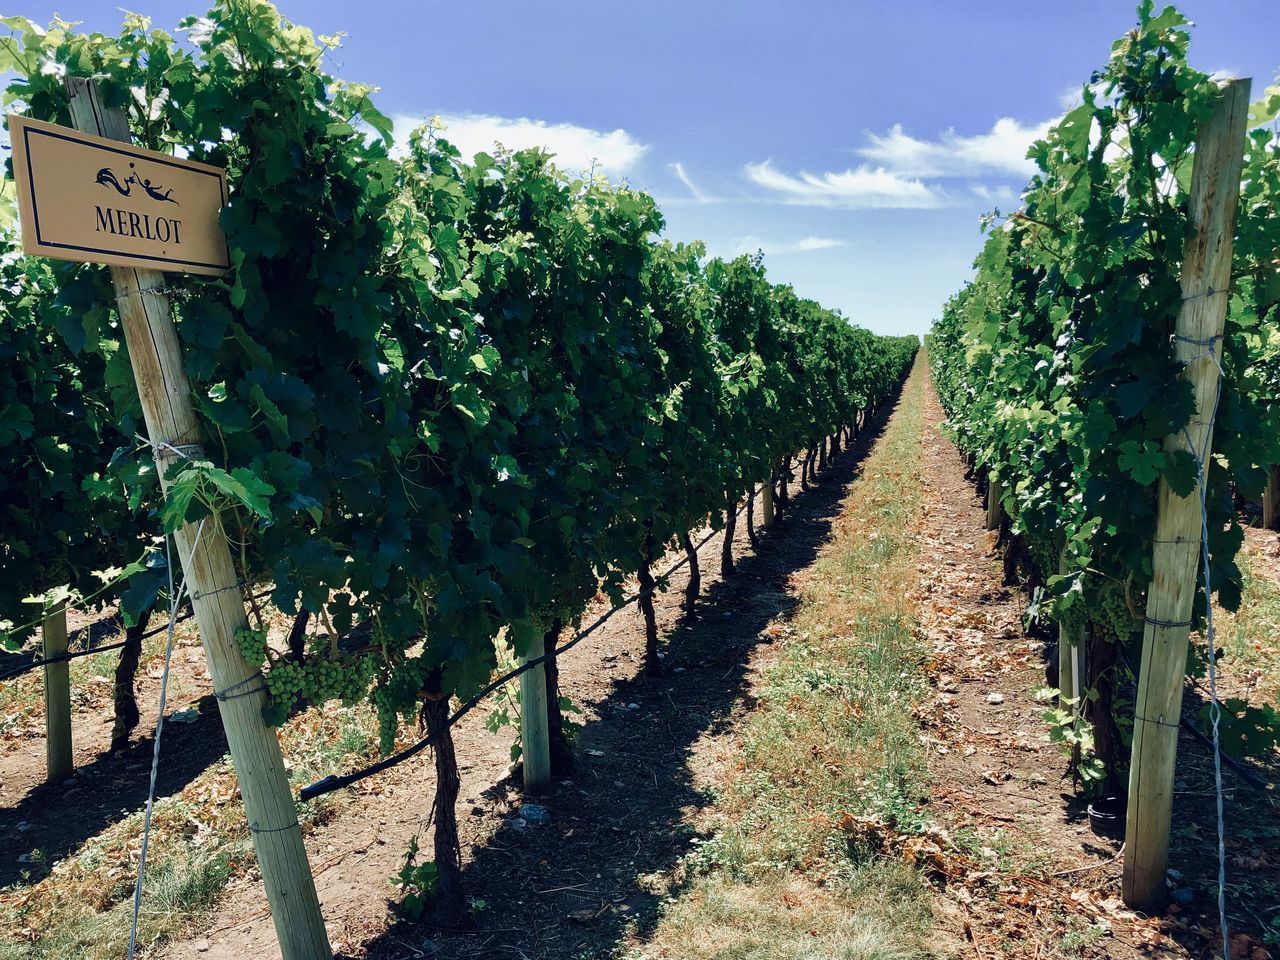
211,489
1056,364
74,497
443,400
417,883
1068,728
1246,730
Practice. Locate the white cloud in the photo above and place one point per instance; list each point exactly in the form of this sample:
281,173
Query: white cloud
614,152
1001,151
1071,97
858,188
698,195
750,244
997,194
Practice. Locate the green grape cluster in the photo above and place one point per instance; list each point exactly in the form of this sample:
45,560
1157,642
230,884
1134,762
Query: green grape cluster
284,683
344,678
252,643
1111,615
339,678
388,717
1044,553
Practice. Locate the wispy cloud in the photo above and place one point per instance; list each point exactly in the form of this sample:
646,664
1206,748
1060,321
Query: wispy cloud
750,244
858,188
994,194
1072,96
699,195
614,152
1002,150
908,172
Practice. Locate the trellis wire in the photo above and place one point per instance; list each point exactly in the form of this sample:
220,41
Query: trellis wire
337,782
1215,708
174,599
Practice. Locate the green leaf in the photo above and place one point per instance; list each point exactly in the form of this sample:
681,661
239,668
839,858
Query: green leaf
1142,461
275,418
1182,473
179,496
245,488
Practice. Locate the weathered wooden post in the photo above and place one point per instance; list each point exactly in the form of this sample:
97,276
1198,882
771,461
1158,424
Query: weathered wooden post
165,395
994,492
1206,277
1068,689
535,732
1070,658
766,501
57,697
1271,500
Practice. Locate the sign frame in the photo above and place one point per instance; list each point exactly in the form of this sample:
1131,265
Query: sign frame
39,241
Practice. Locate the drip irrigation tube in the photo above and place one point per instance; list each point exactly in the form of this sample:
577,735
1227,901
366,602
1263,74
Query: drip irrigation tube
337,782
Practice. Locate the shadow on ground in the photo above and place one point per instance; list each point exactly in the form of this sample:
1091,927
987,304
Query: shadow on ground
48,823
574,888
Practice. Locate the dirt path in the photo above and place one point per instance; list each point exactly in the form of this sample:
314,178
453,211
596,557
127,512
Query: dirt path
1022,874
999,787
34,816
1263,547
570,888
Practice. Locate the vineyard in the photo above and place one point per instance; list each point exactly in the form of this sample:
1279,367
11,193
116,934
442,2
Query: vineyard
531,584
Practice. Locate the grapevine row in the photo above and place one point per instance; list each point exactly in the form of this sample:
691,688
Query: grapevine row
447,401
1057,366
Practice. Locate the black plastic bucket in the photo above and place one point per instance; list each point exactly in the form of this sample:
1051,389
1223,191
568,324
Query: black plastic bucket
1106,815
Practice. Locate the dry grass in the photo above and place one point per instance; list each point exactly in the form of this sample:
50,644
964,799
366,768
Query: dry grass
93,677
92,681
199,841
787,918
832,736
1251,635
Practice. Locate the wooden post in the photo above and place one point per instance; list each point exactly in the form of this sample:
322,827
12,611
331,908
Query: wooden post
57,698
994,493
165,395
1071,675
766,502
1070,664
1175,564
535,733
1271,501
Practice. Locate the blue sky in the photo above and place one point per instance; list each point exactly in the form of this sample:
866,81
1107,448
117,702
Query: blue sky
856,143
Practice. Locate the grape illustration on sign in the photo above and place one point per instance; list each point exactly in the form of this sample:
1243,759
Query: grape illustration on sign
108,176
91,199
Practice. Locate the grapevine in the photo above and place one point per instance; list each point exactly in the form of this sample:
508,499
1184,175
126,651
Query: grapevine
450,400
1056,364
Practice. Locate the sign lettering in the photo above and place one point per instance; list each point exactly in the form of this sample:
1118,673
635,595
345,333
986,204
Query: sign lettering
86,198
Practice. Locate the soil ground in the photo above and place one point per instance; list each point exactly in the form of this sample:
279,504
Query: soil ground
33,814
998,780
572,888
1023,874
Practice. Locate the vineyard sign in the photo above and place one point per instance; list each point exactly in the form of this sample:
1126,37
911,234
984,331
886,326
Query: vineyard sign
86,198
